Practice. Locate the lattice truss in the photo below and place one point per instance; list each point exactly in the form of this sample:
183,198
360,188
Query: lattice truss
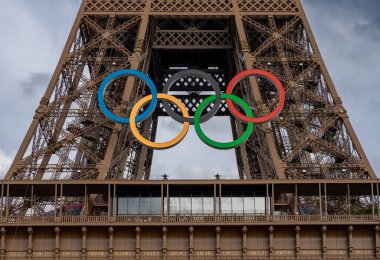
70,138
192,98
254,158
115,6
194,6
191,6
136,164
273,6
192,34
311,134
71,135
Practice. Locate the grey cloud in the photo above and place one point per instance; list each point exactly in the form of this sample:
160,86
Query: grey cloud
370,28
5,163
34,83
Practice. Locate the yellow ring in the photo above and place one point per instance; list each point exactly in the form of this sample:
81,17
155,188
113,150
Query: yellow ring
149,143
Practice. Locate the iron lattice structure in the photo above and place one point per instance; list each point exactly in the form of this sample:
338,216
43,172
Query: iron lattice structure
70,138
80,187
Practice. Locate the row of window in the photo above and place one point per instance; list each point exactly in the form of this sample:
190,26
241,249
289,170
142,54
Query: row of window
191,205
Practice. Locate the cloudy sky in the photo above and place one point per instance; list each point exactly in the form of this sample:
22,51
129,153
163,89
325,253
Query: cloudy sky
33,34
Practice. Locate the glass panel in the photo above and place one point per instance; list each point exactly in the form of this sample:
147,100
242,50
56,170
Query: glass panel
185,205
155,206
237,205
197,205
174,205
121,206
133,205
260,205
226,205
144,205
208,205
249,205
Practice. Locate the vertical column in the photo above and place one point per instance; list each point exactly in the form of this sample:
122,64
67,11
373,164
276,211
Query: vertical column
144,150
325,190
349,199
2,200
271,247
295,199
167,201
86,202
114,199
377,241
219,198
245,49
217,248
377,199
61,202
272,201
30,242
56,249
109,204
162,201
84,242
138,231
191,242
32,202
324,245
2,253
320,198
350,245
248,60
110,245
214,201
266,200
105,163
103,166
298,248
7,204
372,202
244,230
55,200
164,244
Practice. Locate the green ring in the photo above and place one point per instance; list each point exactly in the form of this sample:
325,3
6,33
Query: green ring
218,145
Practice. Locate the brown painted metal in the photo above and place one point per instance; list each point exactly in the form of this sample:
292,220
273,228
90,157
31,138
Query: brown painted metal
59,199
312,138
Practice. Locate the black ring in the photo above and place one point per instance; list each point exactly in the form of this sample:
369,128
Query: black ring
200,74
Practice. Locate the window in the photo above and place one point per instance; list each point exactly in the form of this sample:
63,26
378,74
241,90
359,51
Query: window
139,206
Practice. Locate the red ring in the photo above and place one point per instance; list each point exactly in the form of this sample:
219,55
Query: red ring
256,72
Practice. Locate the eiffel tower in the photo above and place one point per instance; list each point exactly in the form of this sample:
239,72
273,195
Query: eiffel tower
80,188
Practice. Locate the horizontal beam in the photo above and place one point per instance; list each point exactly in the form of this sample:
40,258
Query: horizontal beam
196,220
193,182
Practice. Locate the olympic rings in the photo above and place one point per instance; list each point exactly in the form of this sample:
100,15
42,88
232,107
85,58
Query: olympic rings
149,143
198,117
120,73
213,143
200,74
256,72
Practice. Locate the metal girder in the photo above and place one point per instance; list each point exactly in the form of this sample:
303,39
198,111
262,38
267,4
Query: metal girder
110,35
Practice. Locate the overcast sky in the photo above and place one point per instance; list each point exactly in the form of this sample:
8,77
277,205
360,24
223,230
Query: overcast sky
33,34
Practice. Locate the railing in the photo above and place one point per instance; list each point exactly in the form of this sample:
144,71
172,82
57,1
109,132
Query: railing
228,219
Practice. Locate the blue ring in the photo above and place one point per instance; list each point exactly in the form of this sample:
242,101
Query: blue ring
120,73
